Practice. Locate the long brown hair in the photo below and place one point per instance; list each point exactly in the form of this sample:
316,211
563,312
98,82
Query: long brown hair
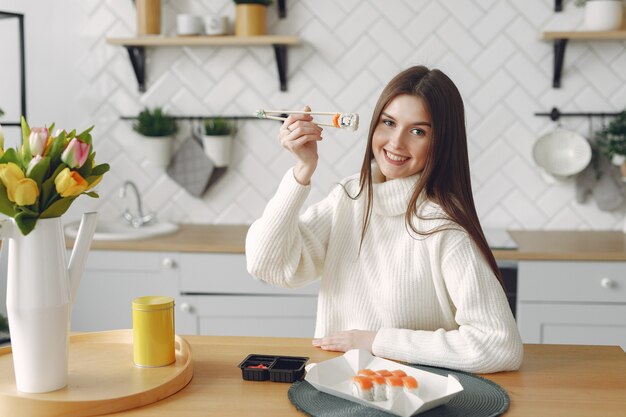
445,178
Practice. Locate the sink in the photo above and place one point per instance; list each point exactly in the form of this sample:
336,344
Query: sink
109,230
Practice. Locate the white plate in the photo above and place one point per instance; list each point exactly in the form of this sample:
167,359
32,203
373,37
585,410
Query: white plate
334,377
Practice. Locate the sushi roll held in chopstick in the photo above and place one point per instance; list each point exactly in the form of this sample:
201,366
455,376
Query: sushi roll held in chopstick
362,387
348,121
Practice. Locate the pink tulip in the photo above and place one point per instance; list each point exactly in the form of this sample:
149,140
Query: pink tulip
37,140
33,162
76,153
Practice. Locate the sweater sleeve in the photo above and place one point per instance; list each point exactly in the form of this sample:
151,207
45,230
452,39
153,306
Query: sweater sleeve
487,339
284,248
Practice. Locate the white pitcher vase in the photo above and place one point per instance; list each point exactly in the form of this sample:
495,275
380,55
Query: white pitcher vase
41,288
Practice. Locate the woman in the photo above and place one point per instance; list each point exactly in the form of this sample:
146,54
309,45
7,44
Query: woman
405,270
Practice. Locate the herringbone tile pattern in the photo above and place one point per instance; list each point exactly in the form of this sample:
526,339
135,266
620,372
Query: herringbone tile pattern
350,49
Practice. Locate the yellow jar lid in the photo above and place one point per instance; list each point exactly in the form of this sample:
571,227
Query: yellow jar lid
153,302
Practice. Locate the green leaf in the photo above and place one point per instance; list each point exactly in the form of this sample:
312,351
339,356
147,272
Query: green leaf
99,170
25,222
38,173
11,156
25,130
6,206
48,189
27,211
58,208
57,148
92,194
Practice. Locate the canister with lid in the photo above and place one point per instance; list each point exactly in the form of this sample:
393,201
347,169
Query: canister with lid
153,331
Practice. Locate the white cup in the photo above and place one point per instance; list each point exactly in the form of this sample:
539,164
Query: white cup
188,24
215,25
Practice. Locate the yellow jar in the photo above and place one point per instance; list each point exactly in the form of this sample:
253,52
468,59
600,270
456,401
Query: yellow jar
153,331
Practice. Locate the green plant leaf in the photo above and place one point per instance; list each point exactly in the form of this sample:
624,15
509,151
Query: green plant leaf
25,222
99,170
25,130
39,172
58,208
92,194
10,155
48,189
6,206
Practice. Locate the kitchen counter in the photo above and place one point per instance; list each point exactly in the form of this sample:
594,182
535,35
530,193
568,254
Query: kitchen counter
189,238
555,380
531,244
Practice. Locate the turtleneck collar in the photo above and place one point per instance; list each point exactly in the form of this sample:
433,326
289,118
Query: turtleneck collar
391,197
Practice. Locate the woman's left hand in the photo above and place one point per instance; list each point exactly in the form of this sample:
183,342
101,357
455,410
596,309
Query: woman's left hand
347,340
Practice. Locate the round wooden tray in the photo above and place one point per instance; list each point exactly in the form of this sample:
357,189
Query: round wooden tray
102,379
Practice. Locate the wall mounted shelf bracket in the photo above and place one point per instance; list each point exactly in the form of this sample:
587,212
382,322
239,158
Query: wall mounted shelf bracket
559,56
137,55
280,51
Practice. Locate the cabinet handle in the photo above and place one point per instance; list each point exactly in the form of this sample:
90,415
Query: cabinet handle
186,308
607,283
169,263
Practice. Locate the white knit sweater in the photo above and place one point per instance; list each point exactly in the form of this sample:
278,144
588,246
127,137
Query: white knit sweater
432,300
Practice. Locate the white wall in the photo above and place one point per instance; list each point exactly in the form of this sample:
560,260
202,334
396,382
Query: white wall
350,49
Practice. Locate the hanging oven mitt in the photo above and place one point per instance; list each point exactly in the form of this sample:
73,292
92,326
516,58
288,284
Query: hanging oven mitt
603,179
191,167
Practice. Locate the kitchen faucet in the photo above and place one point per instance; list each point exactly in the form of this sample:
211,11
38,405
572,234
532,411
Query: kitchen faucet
140,219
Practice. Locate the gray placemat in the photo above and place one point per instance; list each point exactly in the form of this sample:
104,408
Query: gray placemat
479,398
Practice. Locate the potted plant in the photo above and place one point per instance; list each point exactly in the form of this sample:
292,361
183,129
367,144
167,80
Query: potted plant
217,139
612,141
157,129
250,17
602,14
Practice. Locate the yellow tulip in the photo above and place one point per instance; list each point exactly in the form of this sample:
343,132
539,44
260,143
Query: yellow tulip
10,174
24,193
70,183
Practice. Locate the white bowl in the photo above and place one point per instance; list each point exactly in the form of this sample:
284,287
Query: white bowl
562,153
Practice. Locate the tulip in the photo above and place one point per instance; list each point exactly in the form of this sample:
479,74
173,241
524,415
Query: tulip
10,174
76,153
24,193
37,140
70,183
33,162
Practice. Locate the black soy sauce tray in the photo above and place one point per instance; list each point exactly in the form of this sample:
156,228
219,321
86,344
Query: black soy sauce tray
257,367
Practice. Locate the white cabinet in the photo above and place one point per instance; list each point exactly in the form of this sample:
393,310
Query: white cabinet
213,292
219,297
574,302
112,279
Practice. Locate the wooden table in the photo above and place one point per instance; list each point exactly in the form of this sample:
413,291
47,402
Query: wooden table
555,380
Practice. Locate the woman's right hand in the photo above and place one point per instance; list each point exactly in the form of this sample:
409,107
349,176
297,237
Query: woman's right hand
299,135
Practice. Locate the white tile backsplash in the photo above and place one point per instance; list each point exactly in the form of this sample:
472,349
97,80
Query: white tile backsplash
350,49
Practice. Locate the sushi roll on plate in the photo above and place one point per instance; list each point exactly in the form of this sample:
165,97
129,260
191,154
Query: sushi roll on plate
380,387
362,387
366,372
394,386
398,372
411,386
384,372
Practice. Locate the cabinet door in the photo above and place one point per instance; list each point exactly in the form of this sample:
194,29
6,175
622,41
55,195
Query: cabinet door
577,324
275,316
112,279
226,273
